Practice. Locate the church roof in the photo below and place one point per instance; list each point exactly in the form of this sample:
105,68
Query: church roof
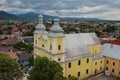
76,45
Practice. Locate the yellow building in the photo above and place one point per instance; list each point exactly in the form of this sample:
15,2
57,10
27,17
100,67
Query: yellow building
79,54
112,58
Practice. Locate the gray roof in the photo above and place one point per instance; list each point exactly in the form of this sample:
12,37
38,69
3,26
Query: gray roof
111,50
77,44
23,57
28,39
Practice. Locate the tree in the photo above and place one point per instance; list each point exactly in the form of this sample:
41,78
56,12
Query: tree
20,45
73,78
0,32
29,47
31,59
26,47
59,76
9,69
44,69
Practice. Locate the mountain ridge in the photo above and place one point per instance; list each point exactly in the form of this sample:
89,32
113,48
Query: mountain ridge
34,16
8,16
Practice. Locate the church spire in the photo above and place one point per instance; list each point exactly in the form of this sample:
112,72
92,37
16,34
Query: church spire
40,27
56,27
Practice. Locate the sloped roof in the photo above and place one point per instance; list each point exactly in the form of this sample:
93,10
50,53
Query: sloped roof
111,50
77,44
10,51
23,57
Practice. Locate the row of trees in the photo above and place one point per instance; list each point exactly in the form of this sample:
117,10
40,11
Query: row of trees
43,69
22,46
9,69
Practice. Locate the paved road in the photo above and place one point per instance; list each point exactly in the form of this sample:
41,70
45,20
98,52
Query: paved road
103,77
24,78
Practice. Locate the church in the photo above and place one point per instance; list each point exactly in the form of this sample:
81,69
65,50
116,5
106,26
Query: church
79,54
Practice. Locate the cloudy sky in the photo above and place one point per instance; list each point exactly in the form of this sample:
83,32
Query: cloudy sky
104,9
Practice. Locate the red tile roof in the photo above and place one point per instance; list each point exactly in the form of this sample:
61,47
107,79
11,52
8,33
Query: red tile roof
117,42
9,51
9,40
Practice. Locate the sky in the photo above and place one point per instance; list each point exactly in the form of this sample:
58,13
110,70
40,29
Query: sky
103,9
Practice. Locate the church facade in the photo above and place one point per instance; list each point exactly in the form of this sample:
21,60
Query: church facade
79,54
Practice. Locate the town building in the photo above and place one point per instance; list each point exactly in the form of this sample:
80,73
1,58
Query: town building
112,58
10,51
79,54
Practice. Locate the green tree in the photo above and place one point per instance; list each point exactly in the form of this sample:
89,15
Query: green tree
29,47
59,76
44,69
31,59
73,78
0,32
20,45
25,47
9,69
28,34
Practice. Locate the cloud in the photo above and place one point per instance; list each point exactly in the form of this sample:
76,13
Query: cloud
3,1
16,3
105,9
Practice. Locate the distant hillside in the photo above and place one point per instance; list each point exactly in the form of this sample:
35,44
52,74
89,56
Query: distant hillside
87,19
7,16
34,16
30,16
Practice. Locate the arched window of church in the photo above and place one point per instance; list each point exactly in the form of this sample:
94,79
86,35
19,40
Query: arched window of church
59,47
50,47
58,59
36,41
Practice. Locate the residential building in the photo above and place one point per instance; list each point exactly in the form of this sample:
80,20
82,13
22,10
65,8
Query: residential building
23,59
112,58
9,51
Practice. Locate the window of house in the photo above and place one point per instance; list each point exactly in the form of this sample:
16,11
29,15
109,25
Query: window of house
58,59
106,68
113,63
59,47
79,62
107,61
95,63
87,60
69,75
69,65
78,74
50,47
113,70
87,71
